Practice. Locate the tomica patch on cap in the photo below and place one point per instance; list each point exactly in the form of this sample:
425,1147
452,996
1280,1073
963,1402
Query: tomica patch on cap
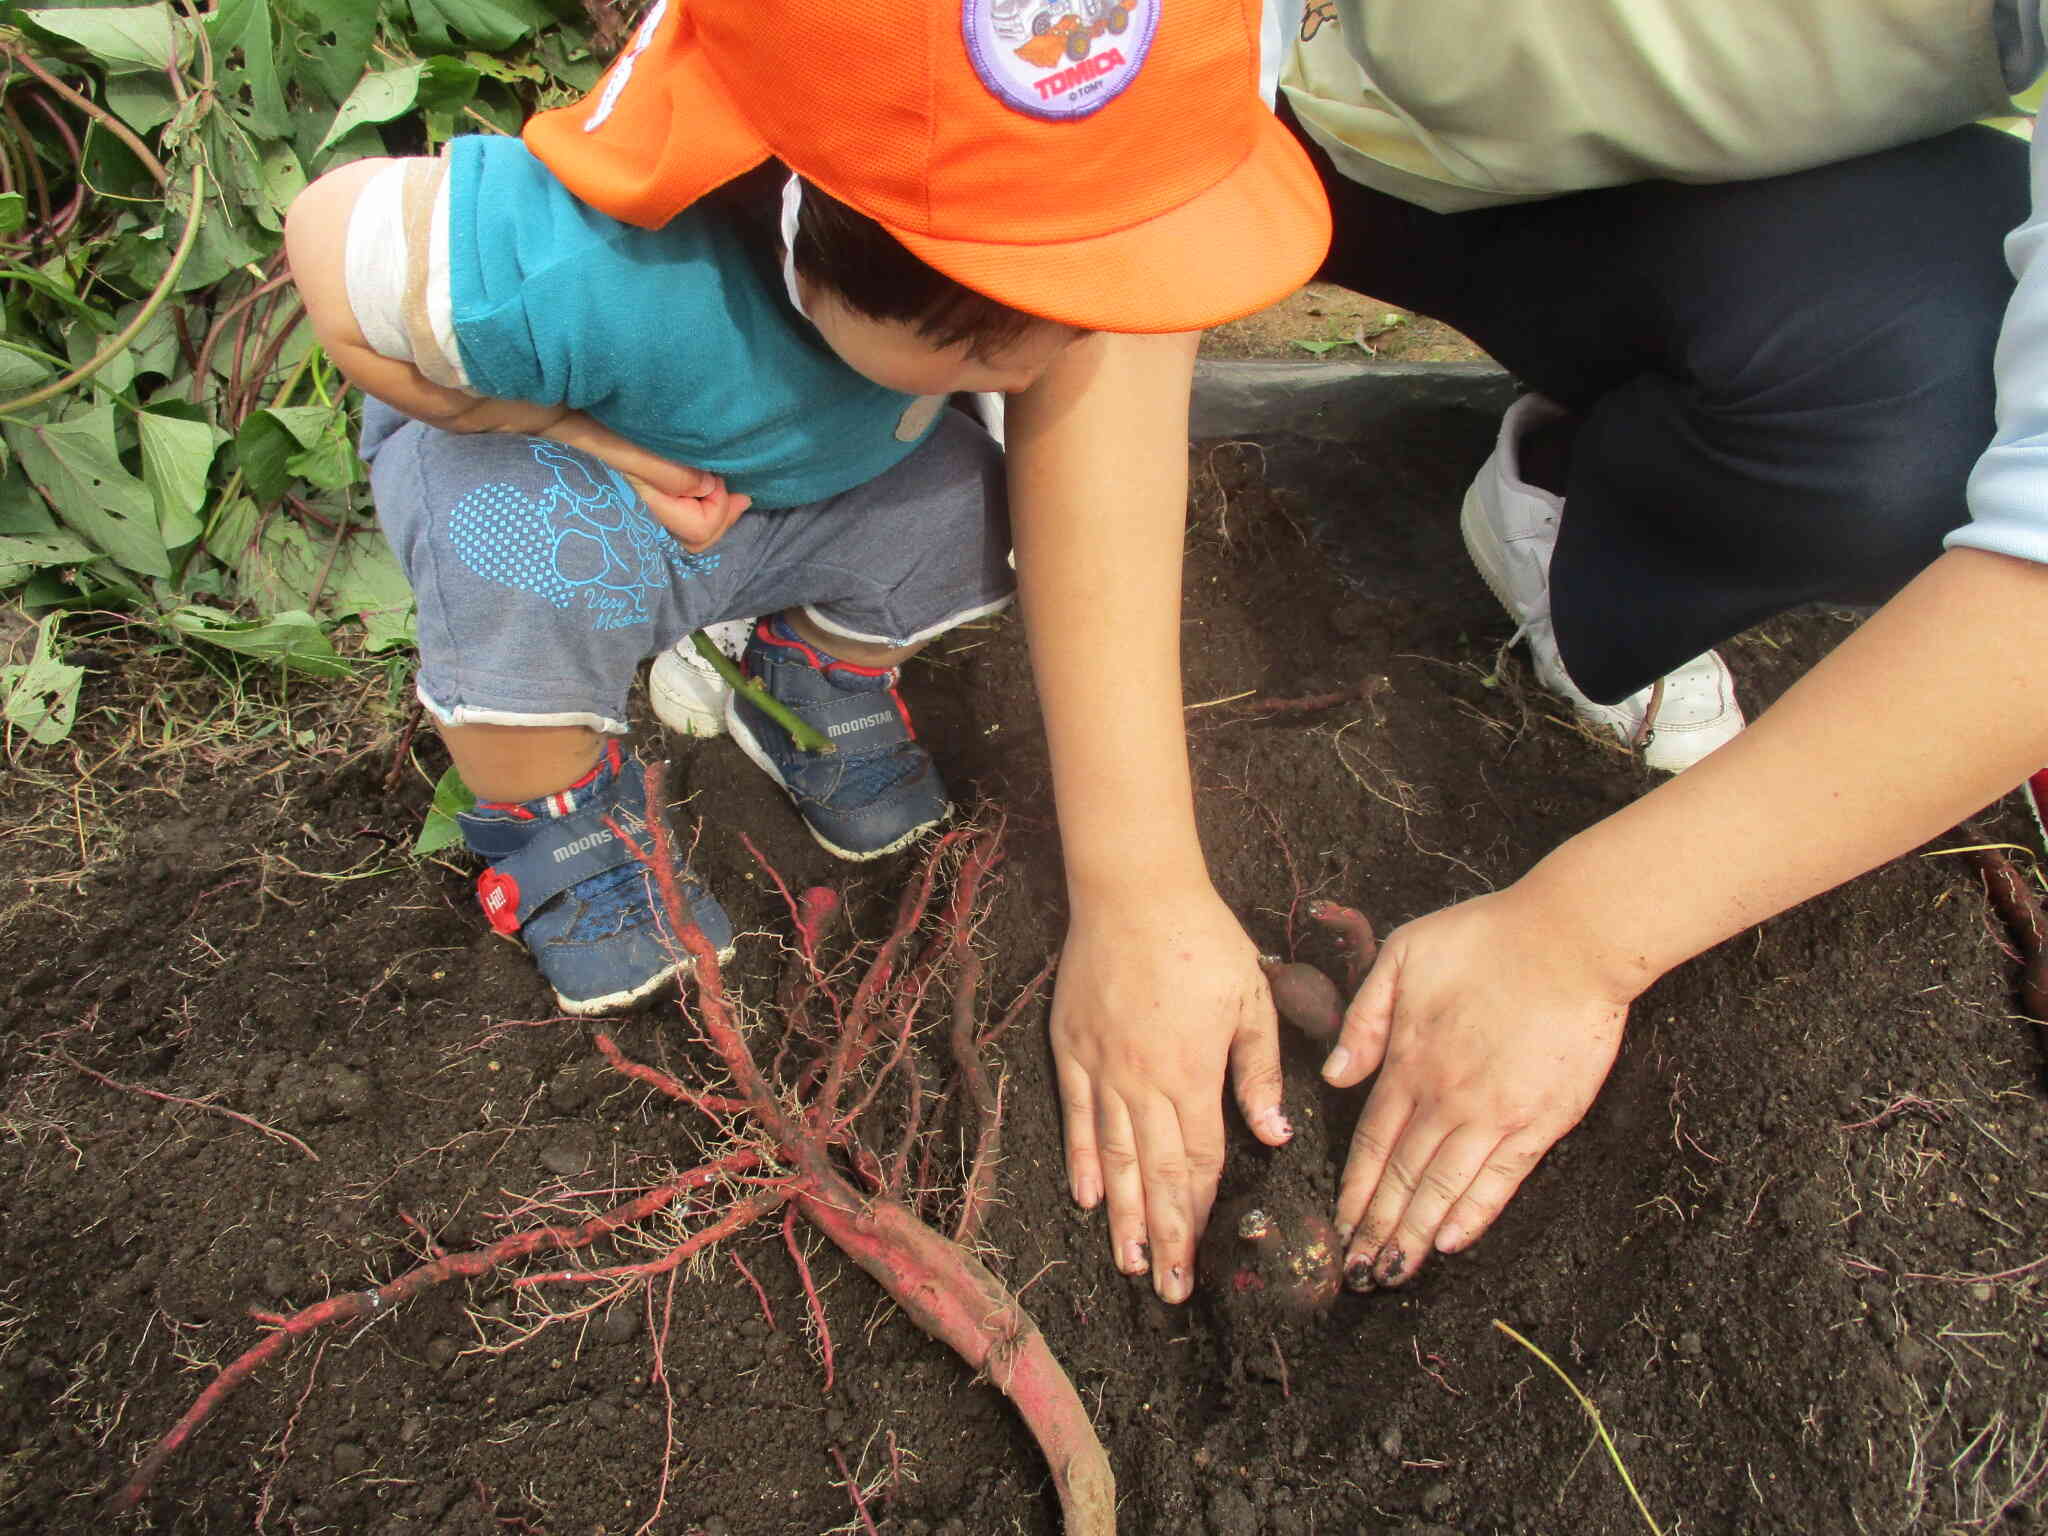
1058,58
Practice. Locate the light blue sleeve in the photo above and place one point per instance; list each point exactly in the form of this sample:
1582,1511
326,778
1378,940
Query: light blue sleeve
2009,487
553,301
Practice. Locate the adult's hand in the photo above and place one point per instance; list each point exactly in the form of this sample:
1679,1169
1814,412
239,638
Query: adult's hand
1491,1033
1158,999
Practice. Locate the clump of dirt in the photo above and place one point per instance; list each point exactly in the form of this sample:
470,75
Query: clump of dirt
1794,1253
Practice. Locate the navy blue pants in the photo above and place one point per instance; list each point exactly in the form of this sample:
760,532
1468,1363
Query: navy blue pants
1779,386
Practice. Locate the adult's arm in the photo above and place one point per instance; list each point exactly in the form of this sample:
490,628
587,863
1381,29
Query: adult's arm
1498,1019
1159,994
692,502
1494,1022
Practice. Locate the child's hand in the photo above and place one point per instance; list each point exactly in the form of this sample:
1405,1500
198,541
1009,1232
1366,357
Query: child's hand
693,504
698,521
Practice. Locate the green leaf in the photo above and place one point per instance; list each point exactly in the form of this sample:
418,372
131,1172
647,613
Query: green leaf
82,343
52,281
512,71
308,440
75,466
20,369
156,345
365,583
142,101
486,23
446,84
284,178
326,43
21,509
253,87
13,212
125,37
377,99
293,640
42,695
177,456
440,829
22,554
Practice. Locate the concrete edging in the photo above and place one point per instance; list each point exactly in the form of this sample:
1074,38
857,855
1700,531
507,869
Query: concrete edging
1334,402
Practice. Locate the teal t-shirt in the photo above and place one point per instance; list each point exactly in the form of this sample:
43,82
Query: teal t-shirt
670,337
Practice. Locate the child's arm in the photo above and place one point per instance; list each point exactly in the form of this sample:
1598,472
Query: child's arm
1160,997
694,503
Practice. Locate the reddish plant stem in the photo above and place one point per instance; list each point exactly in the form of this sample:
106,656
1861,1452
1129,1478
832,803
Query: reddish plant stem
2014,901
357,1304
952,1296
857,1035
284,1444
712,1104
171,1098
1362,691
942,1287
811,1298
743,1214
767,1312
904,1004
896,1172
659,1372
852,1483
1025,999
238,310
983,1103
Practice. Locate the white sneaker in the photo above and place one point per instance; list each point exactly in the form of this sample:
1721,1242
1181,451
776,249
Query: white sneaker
686,691
1510,529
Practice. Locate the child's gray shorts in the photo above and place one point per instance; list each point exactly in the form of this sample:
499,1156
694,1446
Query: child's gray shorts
542,580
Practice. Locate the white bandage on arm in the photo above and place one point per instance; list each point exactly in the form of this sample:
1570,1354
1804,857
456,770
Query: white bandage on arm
396,268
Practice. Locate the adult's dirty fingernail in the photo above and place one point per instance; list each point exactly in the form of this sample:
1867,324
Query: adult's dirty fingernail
1176,1288
1450,1239
1333,1067
1358,1274
1134,1258
1086,1192
1391,1265
1274,1125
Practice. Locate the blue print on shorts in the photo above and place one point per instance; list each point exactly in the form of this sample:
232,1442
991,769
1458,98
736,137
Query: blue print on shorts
579,538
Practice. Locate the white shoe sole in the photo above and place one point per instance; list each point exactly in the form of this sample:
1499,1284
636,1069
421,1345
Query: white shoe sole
687,694
1482,550
1672,746
621,1002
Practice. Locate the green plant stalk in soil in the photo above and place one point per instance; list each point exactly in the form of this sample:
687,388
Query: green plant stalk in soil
1599,1426
807,737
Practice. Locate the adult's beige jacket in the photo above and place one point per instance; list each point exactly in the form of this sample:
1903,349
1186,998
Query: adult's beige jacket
1457,104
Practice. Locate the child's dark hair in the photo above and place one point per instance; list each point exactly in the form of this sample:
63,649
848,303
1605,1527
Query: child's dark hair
872,273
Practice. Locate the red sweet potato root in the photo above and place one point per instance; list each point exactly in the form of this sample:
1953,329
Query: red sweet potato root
807,1117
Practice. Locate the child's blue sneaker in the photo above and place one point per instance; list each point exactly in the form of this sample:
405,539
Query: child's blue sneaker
879,791
562,881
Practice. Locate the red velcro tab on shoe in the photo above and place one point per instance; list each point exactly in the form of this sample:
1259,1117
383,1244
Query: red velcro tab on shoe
498,894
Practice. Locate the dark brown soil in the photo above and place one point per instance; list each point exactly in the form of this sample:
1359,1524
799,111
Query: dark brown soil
1787,1254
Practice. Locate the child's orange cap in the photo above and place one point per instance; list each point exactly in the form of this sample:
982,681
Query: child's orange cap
1105,163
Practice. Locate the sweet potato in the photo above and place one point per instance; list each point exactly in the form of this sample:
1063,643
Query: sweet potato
1306,998
1272,1257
